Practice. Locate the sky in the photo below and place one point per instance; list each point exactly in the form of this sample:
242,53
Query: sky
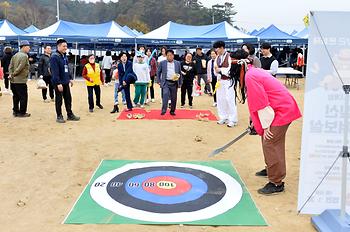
285,14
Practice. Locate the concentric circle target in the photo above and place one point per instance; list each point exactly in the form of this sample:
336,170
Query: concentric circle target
166,191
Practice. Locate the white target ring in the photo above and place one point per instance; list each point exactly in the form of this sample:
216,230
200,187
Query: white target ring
232,196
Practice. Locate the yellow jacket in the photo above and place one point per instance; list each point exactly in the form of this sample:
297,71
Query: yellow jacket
93,74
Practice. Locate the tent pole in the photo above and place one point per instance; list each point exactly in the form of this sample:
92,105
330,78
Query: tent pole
75,61
303,68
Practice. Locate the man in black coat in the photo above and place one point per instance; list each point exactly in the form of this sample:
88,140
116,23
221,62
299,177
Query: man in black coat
45,73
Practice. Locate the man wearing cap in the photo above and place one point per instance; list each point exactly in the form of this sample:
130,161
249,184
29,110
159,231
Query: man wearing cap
169,78
62,82
268,61
19,70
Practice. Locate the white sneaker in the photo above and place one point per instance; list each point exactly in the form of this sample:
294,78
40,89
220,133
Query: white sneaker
47,101
182,106
152,100
221,122
124,102
231,124
215,104
142,106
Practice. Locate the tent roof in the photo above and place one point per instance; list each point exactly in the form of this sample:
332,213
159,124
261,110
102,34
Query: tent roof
272,32
69,29
31,29
294,32
8,29
255,32
129,31
177,31
303,34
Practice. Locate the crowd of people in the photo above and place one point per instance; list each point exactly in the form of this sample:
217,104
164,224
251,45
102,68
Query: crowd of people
228,77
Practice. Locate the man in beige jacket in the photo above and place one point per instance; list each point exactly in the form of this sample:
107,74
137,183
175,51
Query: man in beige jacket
19,70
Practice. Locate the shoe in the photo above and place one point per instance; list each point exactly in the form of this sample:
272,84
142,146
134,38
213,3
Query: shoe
91,110
191,107
262,173
182,106
163,113
210,94
26,115
215,104
115,109
52,99
172,113
60,119
124,102
153,101
47,101
73,118
127,110
221,122
142,106
15,114
231,124
100,106
271,188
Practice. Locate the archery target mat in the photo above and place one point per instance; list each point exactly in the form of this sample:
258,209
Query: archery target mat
149,192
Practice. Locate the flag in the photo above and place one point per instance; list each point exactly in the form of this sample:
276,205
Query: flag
306,20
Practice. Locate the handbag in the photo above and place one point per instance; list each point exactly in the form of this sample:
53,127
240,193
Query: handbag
40,84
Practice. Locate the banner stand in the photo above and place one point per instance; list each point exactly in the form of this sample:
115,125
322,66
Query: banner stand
335,220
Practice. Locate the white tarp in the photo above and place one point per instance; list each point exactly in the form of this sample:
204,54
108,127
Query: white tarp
323,125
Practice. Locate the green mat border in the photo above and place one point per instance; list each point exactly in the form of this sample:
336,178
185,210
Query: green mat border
225,219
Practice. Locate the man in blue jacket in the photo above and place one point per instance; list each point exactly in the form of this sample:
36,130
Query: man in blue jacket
124,72
169,78
61,80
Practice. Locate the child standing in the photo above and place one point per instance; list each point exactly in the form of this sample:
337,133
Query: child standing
141,69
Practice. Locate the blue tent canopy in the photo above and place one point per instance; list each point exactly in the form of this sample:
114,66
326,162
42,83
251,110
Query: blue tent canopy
274,35
303,34
31,29
174,33
8,31
129,31
255,32
109,32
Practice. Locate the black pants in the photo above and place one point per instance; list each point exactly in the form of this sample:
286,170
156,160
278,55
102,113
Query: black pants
67,100
213,83
127,96
186,88
6,80
91,95
108,75
169,91
20,98
151,89
47,80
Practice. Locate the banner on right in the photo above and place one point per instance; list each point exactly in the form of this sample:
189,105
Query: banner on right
323,126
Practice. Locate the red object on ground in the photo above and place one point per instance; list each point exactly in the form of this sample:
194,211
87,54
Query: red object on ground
180,114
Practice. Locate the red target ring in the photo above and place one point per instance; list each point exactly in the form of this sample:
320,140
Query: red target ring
166,186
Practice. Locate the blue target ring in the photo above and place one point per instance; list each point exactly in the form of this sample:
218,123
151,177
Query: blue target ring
134,187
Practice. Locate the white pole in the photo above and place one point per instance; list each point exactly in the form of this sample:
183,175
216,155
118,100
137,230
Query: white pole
345,157
75,60
58,10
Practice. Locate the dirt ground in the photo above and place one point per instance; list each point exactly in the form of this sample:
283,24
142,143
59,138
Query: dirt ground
44,166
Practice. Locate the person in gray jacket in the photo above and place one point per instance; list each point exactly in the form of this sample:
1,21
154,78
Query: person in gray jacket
169,78
19,70
45,73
